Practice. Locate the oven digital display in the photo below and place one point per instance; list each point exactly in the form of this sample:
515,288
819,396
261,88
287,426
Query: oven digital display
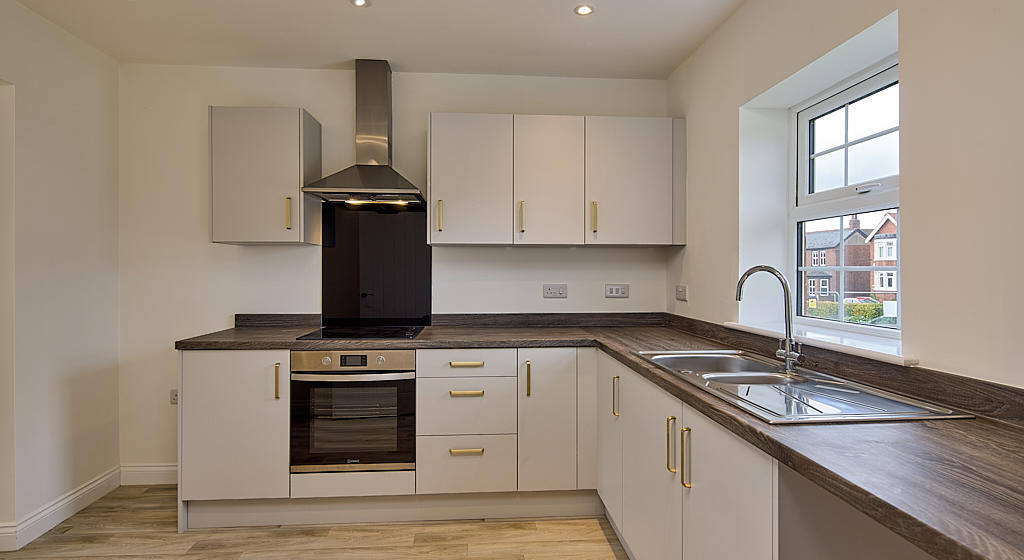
352,360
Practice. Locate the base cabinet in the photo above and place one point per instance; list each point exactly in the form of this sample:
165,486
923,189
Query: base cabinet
234,424
547,419
649,445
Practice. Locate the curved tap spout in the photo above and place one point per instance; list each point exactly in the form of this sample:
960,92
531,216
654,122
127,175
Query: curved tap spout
787,347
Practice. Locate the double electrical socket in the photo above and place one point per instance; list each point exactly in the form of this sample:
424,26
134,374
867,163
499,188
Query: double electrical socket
558,291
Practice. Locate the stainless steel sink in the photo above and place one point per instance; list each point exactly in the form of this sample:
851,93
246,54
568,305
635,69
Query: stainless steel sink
763,388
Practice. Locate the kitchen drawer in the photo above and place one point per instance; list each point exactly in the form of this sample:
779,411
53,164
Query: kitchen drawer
337,484
485,464
466,362
442,410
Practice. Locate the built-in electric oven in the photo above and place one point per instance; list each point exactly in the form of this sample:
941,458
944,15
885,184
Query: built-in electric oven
353,411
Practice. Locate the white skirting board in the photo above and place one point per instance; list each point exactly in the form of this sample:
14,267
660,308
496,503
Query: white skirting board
146,474
16,535
380,509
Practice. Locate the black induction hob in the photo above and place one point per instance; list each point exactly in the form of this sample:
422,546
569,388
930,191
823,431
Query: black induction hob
330,333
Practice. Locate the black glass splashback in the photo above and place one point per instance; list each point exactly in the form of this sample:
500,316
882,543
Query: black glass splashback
376,265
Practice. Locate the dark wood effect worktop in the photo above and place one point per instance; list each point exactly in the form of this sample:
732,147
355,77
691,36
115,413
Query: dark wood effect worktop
954,488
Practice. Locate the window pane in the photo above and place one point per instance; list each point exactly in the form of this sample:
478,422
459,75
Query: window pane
829,130
829,171
866,305
876,158
820,242
875,113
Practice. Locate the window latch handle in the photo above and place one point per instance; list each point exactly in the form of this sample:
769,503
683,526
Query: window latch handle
864,189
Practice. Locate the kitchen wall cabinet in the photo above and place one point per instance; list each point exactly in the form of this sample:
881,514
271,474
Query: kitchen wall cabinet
548,179
234,439
652,519
629,185
260,158
556,180
547,419
609,436
470,178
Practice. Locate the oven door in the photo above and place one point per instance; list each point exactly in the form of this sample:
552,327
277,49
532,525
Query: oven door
353,422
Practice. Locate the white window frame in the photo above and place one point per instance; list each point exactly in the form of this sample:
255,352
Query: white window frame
853,199
886,244
812,287
881,276
823,286
863,88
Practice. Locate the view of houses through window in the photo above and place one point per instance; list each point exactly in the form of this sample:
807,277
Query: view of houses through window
849,268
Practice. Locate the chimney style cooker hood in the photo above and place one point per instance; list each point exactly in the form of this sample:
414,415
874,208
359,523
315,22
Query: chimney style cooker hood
371,179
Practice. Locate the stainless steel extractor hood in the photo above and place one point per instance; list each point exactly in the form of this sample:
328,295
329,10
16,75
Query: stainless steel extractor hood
371,179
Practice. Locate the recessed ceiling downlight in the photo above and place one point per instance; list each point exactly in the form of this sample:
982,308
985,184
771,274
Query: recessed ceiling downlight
360,3
581,10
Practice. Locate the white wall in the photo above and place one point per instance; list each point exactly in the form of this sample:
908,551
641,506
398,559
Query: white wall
65,257
6,301
176,284
959,86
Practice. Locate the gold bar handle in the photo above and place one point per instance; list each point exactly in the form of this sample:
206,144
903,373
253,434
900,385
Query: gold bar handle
440,214
528,376
465,364
522,216
682,457
477,451
465,393
615,386
287,212
593,216
668,444
277,380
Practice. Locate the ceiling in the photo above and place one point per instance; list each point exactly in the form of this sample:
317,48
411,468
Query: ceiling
621,39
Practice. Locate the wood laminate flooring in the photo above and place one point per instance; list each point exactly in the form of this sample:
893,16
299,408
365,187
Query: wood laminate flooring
140,522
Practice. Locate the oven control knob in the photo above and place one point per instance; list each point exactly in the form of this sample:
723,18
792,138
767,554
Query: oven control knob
381,360
326,360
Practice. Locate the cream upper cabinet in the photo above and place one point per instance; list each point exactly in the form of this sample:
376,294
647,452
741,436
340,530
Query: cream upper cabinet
732,493
470,178
629,181
234,439
260,158
609,435
652,493
548,179
547,419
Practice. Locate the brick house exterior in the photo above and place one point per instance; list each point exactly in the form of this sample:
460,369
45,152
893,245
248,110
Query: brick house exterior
878,247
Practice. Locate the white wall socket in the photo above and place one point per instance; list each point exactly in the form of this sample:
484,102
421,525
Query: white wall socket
616,290
558,291
682,292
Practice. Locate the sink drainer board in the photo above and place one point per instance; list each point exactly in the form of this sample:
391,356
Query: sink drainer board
763,388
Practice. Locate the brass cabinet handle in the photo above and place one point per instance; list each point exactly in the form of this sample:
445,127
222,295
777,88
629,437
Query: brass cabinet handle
522,216
465,393
465,364
615,385
668,444
593,216
477,451
287,212
277,380
682,457
528,375
440,214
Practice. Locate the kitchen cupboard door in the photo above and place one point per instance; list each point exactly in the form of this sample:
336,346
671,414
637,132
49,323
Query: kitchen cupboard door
629,181
610,377
548,179
547,419
728,511
652,495
234,424
260,158
470,178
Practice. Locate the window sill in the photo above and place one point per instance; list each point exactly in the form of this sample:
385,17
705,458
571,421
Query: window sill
883,349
